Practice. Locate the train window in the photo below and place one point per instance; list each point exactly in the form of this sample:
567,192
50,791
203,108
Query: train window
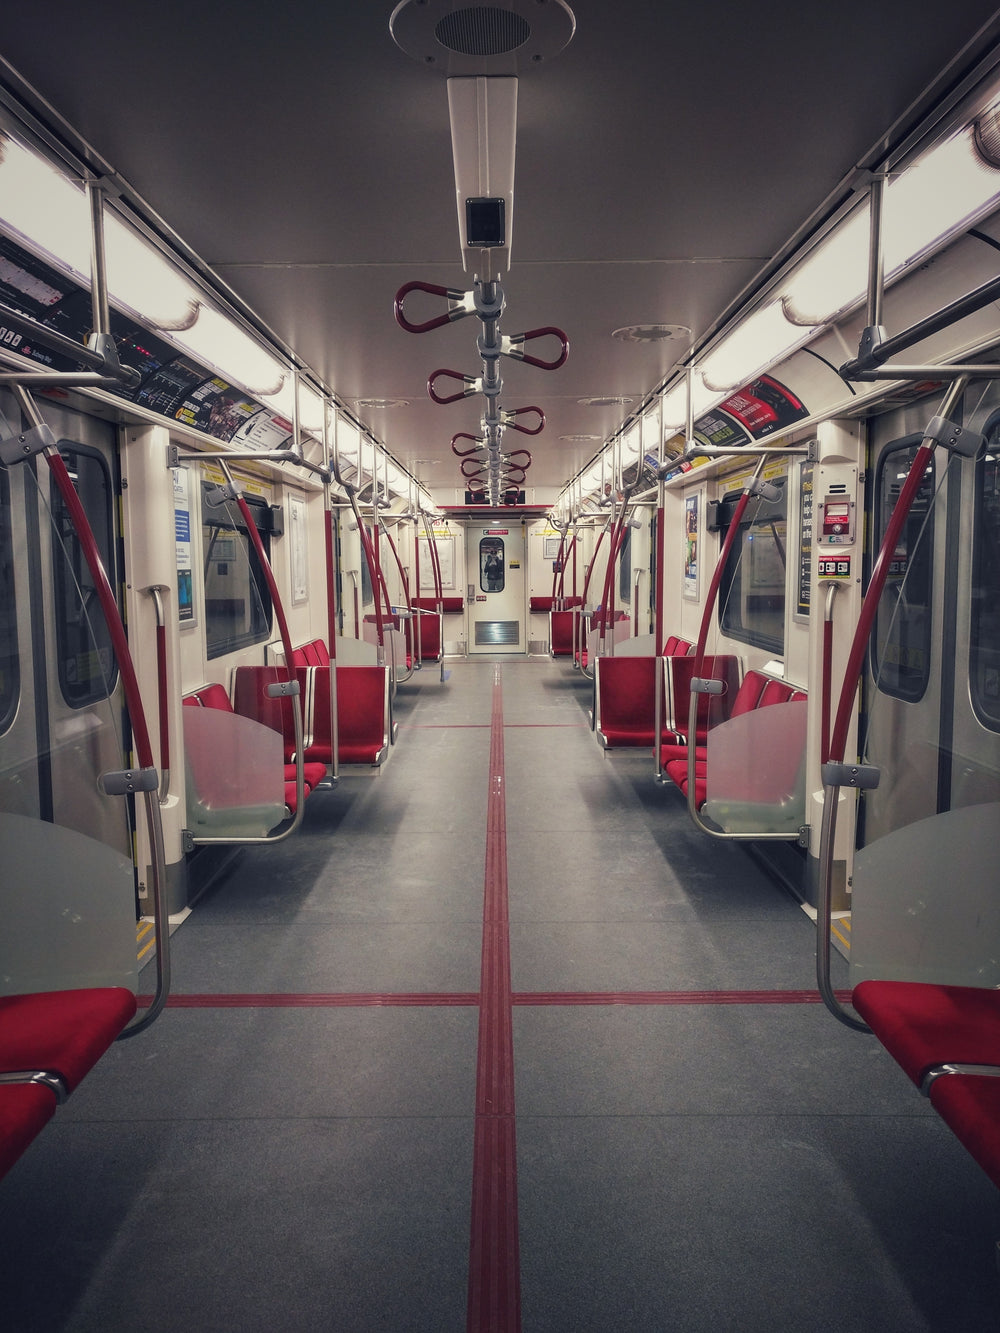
10,676
984,656
752,602
367,594
625,568
492,568
901,645
237,600
87,668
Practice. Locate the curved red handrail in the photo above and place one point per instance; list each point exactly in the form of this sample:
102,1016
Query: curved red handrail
464,453
470,386
525,430
548,331
869,607
449,293
518,453
272,586
109,605
477,465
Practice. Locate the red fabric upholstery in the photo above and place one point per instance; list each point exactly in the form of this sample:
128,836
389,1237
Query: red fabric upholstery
449,605
25,1110
362,714
64,1032
676,647
561,633
214,696
59,1032
626,701
544,604
430,636
969,1104
922,1025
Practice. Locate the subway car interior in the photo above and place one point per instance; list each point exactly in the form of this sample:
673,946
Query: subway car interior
500,668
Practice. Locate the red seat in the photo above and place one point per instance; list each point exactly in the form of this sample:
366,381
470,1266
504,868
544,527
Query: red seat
969,1104
922,1025
60,1033
561,633
362,714
625,693
449,605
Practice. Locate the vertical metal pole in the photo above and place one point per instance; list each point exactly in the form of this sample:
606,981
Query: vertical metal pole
98,268
876,260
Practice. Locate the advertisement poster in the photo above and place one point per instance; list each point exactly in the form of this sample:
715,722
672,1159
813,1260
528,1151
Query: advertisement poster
446,556
182,546
692,505
298,548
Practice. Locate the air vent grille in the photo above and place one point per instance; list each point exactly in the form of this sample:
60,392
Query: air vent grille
482,31
490,633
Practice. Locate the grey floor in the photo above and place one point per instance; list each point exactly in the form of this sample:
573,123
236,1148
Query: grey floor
685,1167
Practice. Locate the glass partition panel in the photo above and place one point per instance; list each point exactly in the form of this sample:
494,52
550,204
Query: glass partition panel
234,770
755,780
925,902
69,896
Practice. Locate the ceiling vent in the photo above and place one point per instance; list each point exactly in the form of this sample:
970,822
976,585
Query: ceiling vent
457,39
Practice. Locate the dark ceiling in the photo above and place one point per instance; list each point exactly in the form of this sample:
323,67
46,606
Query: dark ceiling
662,158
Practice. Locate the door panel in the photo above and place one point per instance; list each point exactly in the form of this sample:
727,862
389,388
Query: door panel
496,590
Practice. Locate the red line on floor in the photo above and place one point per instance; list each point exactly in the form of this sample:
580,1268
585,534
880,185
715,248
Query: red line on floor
455,999
494,1299
672,997
336,1000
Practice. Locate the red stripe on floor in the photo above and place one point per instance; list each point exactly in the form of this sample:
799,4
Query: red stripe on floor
494,1300
431,999
336,1000
668,997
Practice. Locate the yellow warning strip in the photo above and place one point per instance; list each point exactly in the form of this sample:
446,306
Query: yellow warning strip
840,928
145,938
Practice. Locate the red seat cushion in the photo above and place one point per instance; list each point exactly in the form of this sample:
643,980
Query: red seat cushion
922,1025
25,1109
64,1032
969,1104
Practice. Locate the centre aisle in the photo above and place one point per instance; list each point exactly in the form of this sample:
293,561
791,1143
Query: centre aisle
497,1041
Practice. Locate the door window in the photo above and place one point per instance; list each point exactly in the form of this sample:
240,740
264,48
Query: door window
492,565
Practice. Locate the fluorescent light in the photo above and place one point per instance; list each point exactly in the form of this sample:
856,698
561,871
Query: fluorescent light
219,342
46,207
675,408
140,277
312,410
833,277
765,338
632,442
942,193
